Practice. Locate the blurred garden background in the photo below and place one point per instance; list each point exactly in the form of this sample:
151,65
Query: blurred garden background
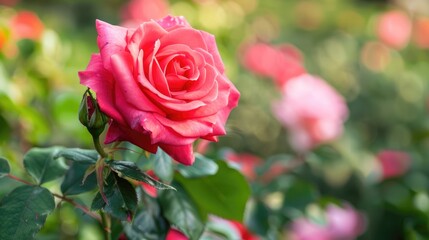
369,181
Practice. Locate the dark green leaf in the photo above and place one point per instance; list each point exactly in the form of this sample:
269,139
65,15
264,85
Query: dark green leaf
258,219
130,170
121,198
78,155
73,181
148,224
181,212
224,194
202,167
4,167
23,212
163,166
299,195
42,165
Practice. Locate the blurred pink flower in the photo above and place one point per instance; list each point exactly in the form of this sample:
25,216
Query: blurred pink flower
393,163
279,63
26,24
312,111
345,223
421,32
394,29
174,234
136,12
304,229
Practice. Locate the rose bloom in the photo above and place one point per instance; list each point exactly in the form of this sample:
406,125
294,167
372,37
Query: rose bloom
312,111
421,32
162,85
138,11
345,223
26,24
394,29
174,234
393,163
279,63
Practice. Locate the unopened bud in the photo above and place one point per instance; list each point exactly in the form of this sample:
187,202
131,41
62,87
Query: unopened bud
90,114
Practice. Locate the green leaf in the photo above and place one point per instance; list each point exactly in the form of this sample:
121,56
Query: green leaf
23,212
4,167
299,194
224,194
148,224
163,165
41,164
202,167
130,169
121,198
78,155
74,183
181,212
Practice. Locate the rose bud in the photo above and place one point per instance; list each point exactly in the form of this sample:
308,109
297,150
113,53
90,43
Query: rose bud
91,116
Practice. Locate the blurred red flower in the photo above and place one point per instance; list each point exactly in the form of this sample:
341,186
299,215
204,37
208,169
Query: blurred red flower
174,234
243,231
26,24
394,29
421,32
393,163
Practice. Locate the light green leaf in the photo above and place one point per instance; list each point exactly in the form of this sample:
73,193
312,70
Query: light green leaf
181,212
41,164
4,167
224,194
202,167
163,165
23,212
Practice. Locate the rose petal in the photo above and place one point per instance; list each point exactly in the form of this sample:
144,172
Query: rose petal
110,40
181,153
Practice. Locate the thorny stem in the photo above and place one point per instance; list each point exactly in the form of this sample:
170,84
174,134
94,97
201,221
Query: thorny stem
71,201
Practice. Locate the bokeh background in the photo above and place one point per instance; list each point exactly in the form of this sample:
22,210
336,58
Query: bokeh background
373,53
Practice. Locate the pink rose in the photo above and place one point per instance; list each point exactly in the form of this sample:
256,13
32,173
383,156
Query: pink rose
394,29
345,223
312,111
304,229
174,234
138,11
162,85
393,163
279,63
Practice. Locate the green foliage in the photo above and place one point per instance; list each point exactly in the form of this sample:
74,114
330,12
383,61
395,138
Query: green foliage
130,170
299,194
181,212
224,194
163,165
84,156
4,167
23,212
121,198
41,164
202,167
75,181
148,223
